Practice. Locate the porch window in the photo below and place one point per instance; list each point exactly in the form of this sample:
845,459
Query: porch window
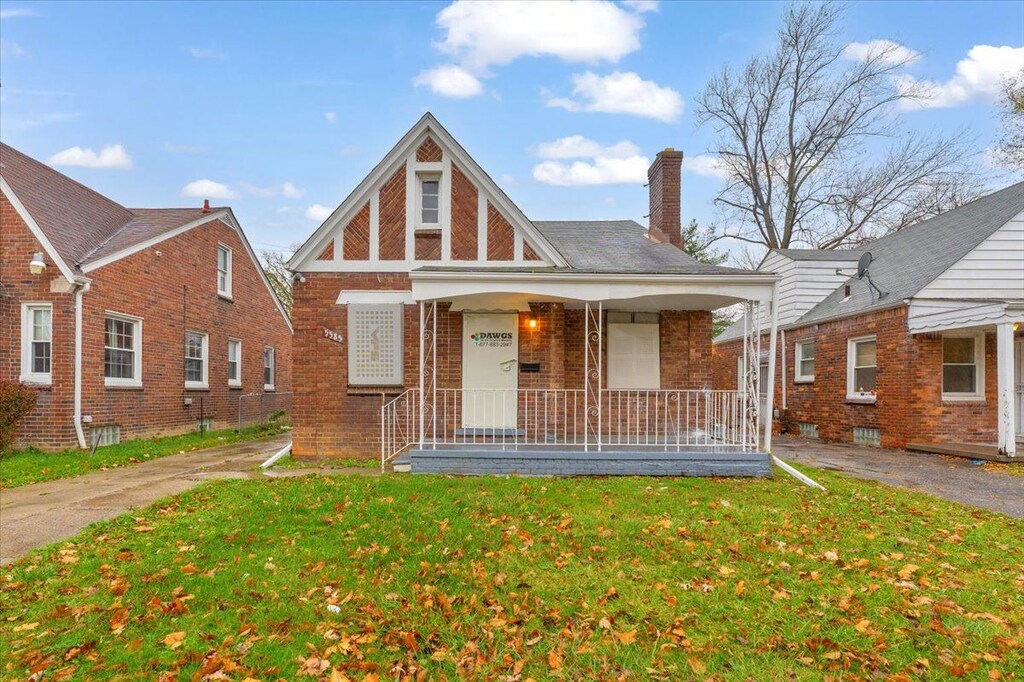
429,200
862,369
122,351
375,344
36,342
196,360
803,362
634,351
963,366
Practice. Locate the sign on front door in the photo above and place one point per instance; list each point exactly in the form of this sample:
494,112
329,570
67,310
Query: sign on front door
490,372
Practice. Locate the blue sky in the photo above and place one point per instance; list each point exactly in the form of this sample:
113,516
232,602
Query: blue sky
282,108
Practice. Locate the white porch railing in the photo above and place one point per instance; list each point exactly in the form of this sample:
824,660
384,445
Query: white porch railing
510,419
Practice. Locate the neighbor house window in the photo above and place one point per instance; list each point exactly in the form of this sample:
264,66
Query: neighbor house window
122,350
634,360
803,362
430,196
269,368
375,344
36,342
234,362
196,357
963,366
862,368
224,271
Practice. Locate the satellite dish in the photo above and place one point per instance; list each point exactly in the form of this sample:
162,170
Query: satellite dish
863,264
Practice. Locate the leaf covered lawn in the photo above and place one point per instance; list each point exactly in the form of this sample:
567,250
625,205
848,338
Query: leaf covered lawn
407,577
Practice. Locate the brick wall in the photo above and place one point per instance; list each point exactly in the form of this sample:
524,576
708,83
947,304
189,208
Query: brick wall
909,406
172,286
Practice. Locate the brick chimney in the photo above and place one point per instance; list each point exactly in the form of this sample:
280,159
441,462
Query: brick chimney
664,189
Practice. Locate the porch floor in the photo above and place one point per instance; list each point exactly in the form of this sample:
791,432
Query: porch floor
611,460
989,453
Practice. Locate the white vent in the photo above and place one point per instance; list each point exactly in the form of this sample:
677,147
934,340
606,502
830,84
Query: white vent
808,430
106,435
375,345
865,436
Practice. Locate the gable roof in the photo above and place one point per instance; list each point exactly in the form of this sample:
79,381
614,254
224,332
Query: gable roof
82,230
358,197
620,246
905,262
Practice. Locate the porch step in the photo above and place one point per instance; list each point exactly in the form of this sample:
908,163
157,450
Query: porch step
565,462
402,464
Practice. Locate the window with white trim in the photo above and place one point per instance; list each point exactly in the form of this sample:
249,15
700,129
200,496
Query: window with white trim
269,368
224,270
429,200
234,362
803,362
197,353
122,350
36,342
862,368
963,366
634,360
375,344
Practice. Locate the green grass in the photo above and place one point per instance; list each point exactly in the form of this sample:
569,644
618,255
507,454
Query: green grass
328,463
512,578
22,467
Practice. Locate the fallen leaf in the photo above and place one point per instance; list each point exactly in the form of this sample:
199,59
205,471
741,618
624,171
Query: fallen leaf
554,660
174,640
697,666
626,637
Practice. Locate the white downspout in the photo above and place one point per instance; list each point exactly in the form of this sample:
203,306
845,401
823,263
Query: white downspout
81,288
782,341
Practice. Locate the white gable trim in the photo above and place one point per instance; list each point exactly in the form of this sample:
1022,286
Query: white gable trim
405,152
34,228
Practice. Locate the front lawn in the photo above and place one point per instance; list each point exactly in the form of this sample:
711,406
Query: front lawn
22,467
390,577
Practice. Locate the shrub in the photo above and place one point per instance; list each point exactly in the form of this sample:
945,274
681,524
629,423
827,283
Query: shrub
16,401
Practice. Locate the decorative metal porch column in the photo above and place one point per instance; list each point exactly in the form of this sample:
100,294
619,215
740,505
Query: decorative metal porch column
593,376
751,394
428,374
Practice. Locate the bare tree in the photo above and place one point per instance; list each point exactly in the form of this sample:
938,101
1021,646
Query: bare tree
1010,151
811,147
275,265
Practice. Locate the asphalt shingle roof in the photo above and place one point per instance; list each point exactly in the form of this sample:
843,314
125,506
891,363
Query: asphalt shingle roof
82,224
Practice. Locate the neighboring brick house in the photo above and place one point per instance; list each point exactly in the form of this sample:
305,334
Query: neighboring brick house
934,362
100,305
432,317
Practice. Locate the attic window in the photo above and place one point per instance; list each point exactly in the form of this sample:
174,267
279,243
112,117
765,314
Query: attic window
430,200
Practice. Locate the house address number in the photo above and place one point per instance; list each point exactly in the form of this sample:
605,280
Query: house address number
332,335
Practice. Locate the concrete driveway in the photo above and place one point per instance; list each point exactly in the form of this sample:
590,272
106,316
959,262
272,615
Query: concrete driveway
950,478
35,515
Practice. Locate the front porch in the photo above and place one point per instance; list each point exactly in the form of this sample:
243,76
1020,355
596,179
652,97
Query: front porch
629,406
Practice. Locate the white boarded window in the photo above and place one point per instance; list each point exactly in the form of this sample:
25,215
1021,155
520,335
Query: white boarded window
36,342
803,362
375,344
234,362
963,366
634,359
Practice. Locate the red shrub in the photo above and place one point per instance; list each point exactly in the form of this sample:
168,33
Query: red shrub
16,401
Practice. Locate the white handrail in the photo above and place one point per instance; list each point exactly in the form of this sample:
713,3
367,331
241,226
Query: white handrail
399,425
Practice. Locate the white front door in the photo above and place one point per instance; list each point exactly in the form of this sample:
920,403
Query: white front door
490,370
1018,381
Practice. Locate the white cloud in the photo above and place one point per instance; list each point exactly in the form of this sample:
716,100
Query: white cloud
979,76
331,116
706,165
9,49
622,93
289,190
450,81
204,53
113,156
482,33
208,189
641,6
17,12
891,52
620,163
318,212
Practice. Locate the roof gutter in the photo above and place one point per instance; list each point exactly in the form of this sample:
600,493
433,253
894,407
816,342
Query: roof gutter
662,278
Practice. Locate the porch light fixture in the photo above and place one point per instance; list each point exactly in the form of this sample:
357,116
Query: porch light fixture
37,265
532,323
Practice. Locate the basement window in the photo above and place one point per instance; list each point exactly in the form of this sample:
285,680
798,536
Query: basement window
105,435
808,430
867,436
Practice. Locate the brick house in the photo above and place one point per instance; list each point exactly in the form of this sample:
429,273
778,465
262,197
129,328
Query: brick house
925,352
438,327
128,322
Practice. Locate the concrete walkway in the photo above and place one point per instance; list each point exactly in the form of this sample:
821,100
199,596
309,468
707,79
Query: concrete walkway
950,478
35,515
